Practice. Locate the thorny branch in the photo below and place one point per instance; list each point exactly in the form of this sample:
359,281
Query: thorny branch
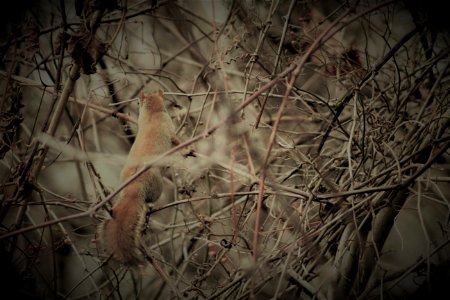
306,134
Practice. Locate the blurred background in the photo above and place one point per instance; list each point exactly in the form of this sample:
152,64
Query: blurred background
317,157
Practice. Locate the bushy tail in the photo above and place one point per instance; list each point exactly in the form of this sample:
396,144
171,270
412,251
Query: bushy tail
120,236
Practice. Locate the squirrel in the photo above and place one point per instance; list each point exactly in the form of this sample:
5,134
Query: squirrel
120,235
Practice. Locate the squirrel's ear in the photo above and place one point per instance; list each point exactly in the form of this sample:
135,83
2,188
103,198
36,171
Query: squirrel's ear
160,92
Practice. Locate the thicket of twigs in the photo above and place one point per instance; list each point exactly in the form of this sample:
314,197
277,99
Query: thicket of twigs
316,142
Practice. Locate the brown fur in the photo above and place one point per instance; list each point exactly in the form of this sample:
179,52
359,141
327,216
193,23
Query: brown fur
120,236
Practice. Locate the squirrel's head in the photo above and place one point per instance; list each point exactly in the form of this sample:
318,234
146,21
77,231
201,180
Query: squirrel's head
152,102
